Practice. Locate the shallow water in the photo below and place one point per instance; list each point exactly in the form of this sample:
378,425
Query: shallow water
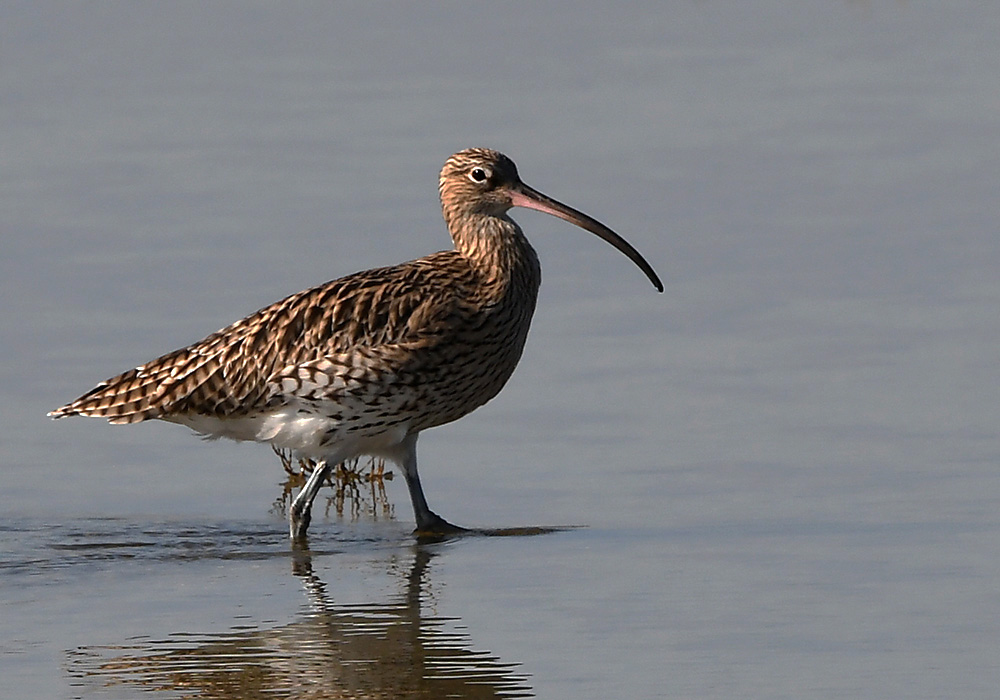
376,634
779,479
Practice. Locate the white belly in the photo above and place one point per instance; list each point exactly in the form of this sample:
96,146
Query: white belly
307,434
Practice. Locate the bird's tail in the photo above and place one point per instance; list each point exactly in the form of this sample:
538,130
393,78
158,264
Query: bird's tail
150,391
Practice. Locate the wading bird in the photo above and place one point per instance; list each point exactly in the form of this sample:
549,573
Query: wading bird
361,365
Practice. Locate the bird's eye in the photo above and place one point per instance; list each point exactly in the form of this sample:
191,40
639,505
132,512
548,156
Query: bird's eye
479,174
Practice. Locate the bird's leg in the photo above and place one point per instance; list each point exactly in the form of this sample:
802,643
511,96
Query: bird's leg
428,522
300,512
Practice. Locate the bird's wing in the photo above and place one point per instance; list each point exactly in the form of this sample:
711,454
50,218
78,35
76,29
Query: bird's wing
240,369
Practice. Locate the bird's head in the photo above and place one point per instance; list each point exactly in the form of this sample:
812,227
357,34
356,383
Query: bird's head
478,184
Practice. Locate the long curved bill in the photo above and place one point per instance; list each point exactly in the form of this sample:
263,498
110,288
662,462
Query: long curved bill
523,196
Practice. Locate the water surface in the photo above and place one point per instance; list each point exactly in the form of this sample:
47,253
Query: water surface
786,467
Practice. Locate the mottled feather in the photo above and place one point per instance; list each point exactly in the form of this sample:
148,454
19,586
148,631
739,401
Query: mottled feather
349,339
362,364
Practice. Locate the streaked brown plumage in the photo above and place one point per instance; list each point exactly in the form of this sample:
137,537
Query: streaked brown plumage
362,364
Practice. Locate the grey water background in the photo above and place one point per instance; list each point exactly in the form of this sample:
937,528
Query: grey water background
787,466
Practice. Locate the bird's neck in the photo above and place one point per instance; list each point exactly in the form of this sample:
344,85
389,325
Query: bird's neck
497,248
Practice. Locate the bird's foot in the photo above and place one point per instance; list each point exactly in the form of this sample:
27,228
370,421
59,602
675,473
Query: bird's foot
298,522
433,526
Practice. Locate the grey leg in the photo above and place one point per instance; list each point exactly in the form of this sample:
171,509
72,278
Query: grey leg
428,522
300,512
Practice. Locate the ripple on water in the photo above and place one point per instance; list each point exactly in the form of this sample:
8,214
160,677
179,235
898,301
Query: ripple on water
37,549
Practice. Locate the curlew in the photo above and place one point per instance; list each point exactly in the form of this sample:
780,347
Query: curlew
361,365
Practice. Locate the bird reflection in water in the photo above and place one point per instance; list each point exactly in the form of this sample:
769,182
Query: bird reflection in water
387,649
